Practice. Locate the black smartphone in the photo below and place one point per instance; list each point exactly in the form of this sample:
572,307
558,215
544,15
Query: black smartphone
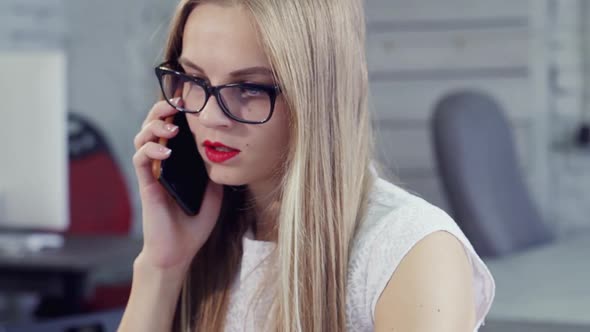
183,174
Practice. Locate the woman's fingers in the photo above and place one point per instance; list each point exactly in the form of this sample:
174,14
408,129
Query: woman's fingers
160,110
142,160
146,142
154,130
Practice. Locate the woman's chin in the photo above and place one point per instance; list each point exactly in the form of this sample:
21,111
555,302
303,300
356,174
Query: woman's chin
227,179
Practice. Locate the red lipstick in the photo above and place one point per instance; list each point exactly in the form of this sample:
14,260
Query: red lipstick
218,152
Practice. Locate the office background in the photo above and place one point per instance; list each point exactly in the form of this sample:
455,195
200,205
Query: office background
532,56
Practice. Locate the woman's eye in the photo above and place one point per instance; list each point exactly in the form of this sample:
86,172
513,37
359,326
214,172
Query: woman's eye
249,92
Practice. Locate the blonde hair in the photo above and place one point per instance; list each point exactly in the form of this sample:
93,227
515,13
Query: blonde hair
316,49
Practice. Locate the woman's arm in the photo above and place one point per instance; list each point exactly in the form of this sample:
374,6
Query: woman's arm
171,238
153,299
431,290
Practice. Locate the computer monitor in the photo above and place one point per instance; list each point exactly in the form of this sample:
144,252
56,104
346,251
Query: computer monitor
33,135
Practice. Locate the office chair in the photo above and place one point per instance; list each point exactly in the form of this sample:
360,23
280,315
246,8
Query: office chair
480,174
99,199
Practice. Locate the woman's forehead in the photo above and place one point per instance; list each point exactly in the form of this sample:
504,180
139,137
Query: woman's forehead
222,36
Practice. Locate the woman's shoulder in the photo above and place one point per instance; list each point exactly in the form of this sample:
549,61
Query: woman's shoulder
395,221
391,207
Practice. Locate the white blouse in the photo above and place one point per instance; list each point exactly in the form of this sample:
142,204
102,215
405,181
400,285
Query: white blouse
396,220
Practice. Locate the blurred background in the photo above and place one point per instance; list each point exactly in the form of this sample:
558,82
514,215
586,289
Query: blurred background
479,106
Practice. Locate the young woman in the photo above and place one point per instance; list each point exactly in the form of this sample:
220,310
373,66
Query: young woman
296,231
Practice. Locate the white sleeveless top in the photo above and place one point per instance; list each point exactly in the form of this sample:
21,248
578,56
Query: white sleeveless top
396,220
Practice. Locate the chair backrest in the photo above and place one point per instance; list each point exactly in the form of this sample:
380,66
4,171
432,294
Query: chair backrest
480,173
99,199
107,321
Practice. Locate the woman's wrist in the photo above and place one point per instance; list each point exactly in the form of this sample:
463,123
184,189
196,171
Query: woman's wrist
154,296
148,269
160,284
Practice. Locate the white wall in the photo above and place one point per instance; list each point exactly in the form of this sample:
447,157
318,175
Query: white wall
568,48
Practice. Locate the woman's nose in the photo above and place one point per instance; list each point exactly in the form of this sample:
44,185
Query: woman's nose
212,115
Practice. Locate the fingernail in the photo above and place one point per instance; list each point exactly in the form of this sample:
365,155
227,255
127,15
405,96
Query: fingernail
170,127
175,101
165,150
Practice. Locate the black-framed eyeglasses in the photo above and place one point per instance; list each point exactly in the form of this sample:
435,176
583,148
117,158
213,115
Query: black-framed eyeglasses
243,102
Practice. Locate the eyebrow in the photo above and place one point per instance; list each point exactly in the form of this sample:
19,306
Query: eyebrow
240,72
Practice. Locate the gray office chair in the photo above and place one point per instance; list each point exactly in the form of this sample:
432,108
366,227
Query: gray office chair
478,167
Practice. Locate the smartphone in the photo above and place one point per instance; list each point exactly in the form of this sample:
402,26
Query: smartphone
183,174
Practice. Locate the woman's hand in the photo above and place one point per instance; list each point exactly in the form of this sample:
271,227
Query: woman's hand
171,238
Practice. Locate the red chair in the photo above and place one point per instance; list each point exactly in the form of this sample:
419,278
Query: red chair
99,199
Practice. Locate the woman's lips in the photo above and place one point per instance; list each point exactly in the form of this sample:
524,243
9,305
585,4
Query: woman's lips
218,152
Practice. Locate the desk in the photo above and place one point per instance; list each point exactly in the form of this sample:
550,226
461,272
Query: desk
546,283
523,326
67,271
107,321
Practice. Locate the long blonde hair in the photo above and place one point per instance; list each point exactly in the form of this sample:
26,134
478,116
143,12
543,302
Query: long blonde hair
316,49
